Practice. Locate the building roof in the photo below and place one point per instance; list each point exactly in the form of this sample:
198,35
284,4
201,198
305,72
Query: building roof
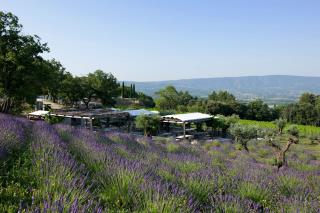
187,117
137,112
90,114
39,113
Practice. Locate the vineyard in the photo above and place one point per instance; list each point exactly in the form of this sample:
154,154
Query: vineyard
305,130
58,168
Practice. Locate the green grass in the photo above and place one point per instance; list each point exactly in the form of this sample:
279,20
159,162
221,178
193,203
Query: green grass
304,129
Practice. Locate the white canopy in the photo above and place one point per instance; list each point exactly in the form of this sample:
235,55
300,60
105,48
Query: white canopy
137,112
39,113
187,117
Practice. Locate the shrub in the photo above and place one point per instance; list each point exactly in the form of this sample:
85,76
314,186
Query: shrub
149,124
253,192
288,185
243,134
173,148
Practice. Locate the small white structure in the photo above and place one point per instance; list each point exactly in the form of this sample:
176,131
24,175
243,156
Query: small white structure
195,117
137,112
187,118
38,114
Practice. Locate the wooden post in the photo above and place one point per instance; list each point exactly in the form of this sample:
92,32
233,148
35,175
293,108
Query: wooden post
184,130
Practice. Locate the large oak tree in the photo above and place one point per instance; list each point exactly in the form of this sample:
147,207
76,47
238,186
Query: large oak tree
21,76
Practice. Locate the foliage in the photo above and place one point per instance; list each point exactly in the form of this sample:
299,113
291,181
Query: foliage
243,134
53,119
281,124
170,98
149,124
306,111
304,130
293,130
257,110
145,100
222,96
21,76
314,139
104,86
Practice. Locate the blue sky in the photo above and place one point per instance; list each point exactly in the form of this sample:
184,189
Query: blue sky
177,39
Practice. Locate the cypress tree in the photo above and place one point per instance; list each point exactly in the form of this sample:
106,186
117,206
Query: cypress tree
130,90
134,90
122,90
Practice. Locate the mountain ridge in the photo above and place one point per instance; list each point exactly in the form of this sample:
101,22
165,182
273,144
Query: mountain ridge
270,88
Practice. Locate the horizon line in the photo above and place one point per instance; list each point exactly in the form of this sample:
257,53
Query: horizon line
202,78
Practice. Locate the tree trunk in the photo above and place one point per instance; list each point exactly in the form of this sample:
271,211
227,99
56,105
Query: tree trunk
281,156
6,105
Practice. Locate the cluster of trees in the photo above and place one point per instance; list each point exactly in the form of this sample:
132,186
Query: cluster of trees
128,91
169,99
221,102
306,111
98,85
25,74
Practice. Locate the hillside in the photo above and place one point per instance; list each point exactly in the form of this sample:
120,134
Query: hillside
272,89
59,168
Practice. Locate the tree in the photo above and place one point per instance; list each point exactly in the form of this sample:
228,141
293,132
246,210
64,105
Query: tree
222,96
145,100
308,98
281,124
280,159
20,62
257,110
55,74
122,90
168,98
222,108
243,134
149,124
306,111
104,86
224,122
71,91
86,91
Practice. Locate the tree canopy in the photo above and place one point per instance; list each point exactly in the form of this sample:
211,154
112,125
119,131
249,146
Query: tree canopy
21,76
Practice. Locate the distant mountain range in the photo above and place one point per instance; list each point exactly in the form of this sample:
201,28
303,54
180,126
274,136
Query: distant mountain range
271,88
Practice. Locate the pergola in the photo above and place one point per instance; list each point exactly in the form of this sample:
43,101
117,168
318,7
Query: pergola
186,118
87,116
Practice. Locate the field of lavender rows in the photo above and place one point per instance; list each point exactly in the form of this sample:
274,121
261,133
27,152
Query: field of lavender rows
59,168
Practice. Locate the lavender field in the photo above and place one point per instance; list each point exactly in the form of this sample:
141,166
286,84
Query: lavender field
59,168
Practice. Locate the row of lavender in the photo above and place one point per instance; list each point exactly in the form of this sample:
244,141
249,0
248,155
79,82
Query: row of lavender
137,174
38,173
75,169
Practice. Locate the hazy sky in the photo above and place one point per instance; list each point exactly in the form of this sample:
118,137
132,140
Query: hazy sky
172,39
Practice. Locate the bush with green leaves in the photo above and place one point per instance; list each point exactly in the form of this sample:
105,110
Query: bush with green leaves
293,130
53,119
281,124
243,134
314,139
149,124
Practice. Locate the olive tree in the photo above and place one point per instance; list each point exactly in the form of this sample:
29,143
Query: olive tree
281,124
224,122
242,134
280,151
149,124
